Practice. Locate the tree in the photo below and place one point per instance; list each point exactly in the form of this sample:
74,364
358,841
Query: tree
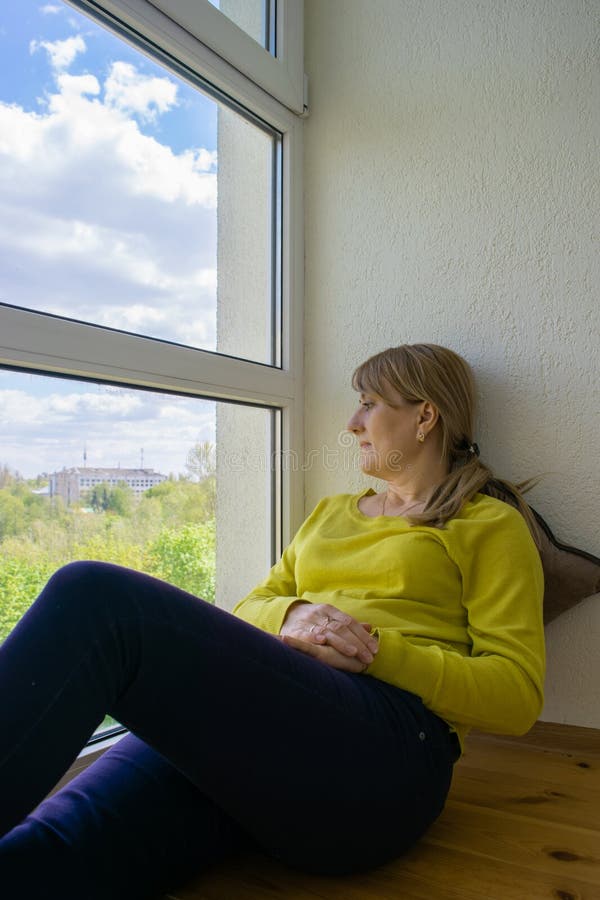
184,501
8,476
201,461
12,514
105,498
186,558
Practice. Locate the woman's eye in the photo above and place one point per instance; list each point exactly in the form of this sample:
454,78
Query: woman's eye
366,404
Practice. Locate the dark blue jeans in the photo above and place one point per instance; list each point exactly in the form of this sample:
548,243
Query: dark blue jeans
235,740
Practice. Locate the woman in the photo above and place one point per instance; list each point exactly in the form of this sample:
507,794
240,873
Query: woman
322,720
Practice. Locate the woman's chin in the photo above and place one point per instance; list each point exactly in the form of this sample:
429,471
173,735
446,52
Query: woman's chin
368,467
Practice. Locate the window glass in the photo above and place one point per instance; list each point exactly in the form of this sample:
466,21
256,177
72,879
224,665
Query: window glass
252,16
145,480
128,198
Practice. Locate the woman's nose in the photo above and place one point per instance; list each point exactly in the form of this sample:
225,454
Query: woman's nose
354,423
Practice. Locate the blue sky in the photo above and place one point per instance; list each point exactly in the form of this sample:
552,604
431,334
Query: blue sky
108,182
192,122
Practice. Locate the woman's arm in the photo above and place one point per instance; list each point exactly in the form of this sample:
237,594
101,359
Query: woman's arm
267,605
320,630
499,687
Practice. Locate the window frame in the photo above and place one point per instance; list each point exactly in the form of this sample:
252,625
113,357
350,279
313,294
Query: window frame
281,75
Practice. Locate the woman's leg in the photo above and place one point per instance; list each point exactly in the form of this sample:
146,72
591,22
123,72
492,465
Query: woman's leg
327,770
130,826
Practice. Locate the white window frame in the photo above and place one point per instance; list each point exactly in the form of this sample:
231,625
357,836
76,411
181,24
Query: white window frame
282,75
48,344
220,49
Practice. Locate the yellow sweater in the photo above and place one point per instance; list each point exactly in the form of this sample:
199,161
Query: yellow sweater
458,611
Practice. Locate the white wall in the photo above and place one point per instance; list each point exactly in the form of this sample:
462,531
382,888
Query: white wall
452,195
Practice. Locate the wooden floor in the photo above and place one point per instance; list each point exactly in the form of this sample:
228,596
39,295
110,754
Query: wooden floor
522,822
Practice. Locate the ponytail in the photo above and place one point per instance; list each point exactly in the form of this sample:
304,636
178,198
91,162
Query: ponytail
461,485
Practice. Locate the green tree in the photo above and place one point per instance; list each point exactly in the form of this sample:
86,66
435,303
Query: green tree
183,501
8,477
186,557
13,518
104,497
20,583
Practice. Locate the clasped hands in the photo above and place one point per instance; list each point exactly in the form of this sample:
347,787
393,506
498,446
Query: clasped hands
330,635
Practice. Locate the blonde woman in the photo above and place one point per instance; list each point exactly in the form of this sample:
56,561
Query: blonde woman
321,720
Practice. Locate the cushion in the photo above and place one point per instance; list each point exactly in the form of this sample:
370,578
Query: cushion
570,574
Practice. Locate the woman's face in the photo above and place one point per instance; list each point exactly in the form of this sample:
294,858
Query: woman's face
387,435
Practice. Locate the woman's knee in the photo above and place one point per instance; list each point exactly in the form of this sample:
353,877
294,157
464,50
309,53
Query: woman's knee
88,589
81,573
85,580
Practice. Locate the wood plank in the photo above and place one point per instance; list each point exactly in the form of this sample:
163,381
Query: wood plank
492,879
542,846
578,770
533,796
549,736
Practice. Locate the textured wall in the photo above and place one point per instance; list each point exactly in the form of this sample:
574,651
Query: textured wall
243,305
452,195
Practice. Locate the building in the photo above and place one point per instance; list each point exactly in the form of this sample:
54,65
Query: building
72,484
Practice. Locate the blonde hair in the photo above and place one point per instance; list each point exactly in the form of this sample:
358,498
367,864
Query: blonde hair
429,372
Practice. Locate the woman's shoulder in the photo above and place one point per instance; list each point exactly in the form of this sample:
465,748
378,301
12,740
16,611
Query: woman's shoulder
483,508
487,519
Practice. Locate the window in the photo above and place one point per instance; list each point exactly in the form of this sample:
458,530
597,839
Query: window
150,287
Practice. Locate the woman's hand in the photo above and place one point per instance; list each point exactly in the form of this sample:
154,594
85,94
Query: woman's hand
328,634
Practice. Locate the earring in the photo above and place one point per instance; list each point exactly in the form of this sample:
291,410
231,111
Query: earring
420,437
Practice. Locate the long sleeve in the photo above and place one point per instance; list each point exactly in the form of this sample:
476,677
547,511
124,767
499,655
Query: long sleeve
266,606
499,686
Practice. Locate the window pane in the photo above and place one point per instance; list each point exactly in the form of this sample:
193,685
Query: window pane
174,486
252,16
129,198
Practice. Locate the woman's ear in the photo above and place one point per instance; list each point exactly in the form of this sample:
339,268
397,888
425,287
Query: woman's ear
428,414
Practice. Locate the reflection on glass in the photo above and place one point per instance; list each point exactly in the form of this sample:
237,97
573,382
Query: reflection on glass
92,471
114,202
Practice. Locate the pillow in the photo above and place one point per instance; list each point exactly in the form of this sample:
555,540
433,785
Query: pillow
570,574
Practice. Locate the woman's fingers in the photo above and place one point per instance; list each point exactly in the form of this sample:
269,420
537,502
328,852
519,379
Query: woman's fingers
322,624
350,637
345,641
326,654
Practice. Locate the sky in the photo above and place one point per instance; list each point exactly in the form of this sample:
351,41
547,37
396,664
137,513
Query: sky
108,180
47,424
108,192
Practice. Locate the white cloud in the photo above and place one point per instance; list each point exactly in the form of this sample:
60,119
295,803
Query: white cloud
78,131
102,222
61,53
21,408
49,9
46,423
128,90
